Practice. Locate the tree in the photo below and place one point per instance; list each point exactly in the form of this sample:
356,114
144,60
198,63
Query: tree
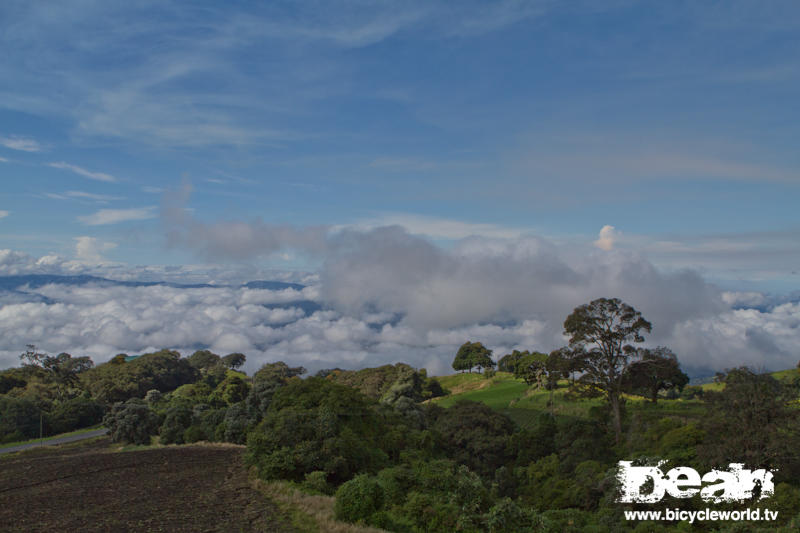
508,362
600,336
531,367
657,370
132,421
475,435
164,370
314,424
473,354
753,420
278,372
32,357
234,360
559,365
62,369
203,359
65,369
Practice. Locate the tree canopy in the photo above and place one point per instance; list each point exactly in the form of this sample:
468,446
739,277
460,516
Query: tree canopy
471,355
656,370
600,336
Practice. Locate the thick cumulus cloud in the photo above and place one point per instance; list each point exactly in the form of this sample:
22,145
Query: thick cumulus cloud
232,240
501,281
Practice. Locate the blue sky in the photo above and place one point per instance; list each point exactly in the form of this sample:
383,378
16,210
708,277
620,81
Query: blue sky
435,172
675,123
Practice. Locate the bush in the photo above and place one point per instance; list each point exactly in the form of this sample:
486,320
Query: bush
176,422
131,422
235,424
475,435
507,516
358,499
317,481
195,434
75,414
314,424
19,419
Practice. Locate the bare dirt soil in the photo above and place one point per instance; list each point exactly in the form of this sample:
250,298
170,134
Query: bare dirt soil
88,488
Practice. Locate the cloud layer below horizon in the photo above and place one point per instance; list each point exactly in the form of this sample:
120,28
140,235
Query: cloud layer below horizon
389,296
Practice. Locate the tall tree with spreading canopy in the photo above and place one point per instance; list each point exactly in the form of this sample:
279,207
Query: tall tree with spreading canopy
600,336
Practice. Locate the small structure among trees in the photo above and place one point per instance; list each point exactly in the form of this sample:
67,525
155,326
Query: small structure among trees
471,355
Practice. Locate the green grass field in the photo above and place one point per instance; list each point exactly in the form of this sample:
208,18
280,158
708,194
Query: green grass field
523,403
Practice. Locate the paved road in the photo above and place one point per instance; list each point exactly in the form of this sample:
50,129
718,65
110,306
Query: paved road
52,442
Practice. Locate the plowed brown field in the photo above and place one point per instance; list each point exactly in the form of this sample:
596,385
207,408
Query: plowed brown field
88,488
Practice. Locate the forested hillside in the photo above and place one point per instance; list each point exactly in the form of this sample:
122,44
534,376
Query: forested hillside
532,447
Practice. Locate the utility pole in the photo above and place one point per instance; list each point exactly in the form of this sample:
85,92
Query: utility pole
41,440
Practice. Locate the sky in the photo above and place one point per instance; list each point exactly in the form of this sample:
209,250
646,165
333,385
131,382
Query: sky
451,166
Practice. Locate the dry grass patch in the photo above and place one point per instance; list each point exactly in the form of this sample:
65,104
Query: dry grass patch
310,513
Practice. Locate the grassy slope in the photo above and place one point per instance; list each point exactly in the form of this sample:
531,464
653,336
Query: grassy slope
523,403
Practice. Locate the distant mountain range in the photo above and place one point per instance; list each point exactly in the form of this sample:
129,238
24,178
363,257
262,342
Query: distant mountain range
35,281
13,288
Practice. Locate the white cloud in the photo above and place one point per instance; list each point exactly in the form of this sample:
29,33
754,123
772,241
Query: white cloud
747,298
82,195
114,216
439,228
90,249
607,238
101,321
509,295
152,190
4,214
24,144
3,160
97,176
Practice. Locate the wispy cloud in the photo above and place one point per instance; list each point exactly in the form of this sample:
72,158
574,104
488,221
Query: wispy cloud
82,195
114,216
3,160
439,228
24,144
4,214
619,157
97,176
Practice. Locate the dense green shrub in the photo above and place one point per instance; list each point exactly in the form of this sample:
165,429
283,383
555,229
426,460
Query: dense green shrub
475,435
314,424
231,390
358,499
75,414
317,481
19,419
506,516
131,422
176,421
